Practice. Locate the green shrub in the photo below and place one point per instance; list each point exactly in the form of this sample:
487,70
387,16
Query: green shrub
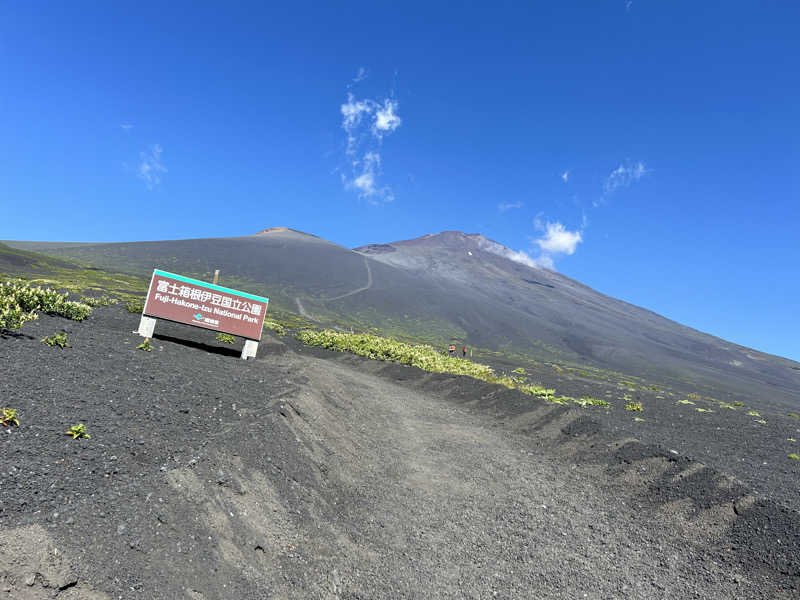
685,402
8,416
145,345
225,338
636,406
753,413
20,302
519,371
703,410
794,456
794,416
274,326
101,301
134,305
638,419
57,339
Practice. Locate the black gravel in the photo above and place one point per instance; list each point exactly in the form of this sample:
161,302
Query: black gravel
307,474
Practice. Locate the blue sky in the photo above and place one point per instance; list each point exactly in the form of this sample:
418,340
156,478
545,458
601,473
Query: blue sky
648,149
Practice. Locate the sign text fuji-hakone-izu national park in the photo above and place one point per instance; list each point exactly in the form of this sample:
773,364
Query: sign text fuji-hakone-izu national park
184,300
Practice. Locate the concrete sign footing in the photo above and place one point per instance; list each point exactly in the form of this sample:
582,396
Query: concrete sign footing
146,327
250,349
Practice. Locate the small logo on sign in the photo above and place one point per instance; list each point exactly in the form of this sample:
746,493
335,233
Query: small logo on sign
199,316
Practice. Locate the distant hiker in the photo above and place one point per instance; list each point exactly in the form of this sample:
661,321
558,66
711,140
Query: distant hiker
464,352
452,349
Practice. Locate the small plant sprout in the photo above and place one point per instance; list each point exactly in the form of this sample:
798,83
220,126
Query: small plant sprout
638,419
145,345
794,416
8,416
703,410
57,339
753,413
791,439
794,456
226,338
78,431
761,421
685,402
727,405
737,403
519,371
635,406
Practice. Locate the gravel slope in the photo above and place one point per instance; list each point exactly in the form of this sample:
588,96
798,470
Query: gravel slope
298,476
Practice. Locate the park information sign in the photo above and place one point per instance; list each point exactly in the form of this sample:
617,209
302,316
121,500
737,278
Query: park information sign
184,300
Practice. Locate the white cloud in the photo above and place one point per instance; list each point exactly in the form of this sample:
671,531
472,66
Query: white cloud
565,176
623,176
385,118
558,240
504,206
126,127
361,75
367,122
151,167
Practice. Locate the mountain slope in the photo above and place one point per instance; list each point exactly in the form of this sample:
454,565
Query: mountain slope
460,287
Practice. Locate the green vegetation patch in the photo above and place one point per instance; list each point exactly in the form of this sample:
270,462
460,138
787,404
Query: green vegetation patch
78,431
145,345
704,410
21,302
638,419
424,357
57,339
635,406
99,301
753,413
794,416
226,338
588,401
794,456
685,402
8,416
134,305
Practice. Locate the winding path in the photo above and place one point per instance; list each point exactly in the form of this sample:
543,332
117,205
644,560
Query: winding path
361,289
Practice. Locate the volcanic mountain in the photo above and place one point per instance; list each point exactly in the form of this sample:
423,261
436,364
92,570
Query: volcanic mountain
455,287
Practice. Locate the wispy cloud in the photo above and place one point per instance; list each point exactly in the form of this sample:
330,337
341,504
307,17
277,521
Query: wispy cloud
151,167
565,176
504,206
126,127
366,123
628,4
623,176
361,75
517,256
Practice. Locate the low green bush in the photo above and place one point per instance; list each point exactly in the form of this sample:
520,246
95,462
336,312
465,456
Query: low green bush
421,356
57,339
101,301
134,306
20,302
635,406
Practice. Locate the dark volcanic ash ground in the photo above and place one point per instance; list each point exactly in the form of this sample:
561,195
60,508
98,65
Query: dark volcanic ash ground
305,474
